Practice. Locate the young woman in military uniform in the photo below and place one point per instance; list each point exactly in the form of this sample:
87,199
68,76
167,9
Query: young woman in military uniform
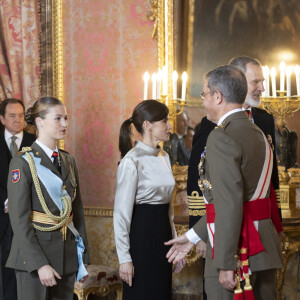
49,245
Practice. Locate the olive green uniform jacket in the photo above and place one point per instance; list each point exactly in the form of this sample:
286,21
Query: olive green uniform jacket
31,248
232,168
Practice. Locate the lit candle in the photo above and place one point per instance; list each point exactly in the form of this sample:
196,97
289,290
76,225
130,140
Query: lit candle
282,72
146,79
297,73
165,80
183,90
153,78
288,81
158,77
273,78
267,80
174,79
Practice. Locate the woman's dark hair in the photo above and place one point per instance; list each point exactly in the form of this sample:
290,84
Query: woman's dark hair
40,109
148,110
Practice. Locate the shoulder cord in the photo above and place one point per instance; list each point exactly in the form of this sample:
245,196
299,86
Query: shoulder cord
66,201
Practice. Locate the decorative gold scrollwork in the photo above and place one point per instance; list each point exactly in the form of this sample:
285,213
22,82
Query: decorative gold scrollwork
152,15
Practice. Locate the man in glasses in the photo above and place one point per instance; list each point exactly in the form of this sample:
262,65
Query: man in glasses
235,172
265,121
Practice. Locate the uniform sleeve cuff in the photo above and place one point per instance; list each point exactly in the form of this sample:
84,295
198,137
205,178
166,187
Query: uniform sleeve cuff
192,236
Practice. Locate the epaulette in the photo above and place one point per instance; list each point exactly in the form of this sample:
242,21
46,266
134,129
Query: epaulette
64,151
24,150
20,153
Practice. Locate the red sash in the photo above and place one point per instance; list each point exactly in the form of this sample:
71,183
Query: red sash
256,210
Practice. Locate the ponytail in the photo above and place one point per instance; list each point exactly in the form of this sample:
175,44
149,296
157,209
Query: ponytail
125,143
149,110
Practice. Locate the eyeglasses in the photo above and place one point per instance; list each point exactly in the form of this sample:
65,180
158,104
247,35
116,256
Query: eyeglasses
203,94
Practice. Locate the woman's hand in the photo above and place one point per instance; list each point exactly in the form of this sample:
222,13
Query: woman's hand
47,275
126,272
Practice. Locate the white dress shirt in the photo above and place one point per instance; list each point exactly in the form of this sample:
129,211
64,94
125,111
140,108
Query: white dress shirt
47,150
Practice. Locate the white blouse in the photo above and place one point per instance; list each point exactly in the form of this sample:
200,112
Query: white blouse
144,177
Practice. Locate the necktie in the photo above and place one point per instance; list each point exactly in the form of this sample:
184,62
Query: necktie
13,146
55,161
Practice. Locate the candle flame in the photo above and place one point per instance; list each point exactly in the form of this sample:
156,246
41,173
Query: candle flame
146,76
266,71
282,66
158,75
184,76
153,77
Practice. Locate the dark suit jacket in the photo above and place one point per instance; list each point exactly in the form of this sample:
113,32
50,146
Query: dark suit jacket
176,150
5,158
32,249
233,165
263,120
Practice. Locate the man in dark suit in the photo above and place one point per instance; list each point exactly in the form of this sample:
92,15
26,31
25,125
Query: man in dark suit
12,139
176,146
235,177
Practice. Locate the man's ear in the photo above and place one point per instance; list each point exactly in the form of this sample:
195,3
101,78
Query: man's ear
218,97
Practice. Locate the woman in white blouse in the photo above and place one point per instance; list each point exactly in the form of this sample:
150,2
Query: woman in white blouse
143,215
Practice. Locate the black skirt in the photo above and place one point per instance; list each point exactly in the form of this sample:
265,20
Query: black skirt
150,228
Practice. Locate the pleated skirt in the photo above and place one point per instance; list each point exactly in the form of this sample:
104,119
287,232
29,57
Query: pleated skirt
150,228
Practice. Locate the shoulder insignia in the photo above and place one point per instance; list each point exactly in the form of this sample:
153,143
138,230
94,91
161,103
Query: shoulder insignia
15,175
64,151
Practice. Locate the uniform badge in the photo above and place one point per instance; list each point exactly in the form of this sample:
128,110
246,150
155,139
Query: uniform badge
15,175
201,164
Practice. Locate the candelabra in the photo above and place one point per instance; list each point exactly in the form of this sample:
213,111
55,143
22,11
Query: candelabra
281,107
164,90
176,107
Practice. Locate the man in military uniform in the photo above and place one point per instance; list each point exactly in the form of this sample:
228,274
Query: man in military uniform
12,139
265,121
237,161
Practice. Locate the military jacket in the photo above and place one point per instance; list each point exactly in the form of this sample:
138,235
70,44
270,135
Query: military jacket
264,121
230,172
31,248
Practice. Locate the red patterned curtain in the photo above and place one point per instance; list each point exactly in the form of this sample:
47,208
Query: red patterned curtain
19,50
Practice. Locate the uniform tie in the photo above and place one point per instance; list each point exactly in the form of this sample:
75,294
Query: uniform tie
55,161
13,146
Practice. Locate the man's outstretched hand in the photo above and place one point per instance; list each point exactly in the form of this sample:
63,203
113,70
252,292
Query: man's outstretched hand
181,247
